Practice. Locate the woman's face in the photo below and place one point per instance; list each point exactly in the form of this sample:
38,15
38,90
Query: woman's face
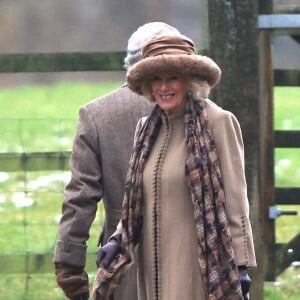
169,92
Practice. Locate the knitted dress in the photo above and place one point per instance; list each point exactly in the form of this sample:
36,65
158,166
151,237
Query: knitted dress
168,265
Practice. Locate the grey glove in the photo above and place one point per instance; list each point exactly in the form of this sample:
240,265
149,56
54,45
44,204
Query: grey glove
73,281
244,280
109,251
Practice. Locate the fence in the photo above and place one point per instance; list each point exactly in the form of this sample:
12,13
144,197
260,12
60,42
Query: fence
34,156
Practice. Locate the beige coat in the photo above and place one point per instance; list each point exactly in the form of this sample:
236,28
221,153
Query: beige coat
163,250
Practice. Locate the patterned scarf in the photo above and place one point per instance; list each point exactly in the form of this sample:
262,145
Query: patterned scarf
218,268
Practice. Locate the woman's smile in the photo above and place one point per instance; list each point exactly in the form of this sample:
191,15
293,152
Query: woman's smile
169,92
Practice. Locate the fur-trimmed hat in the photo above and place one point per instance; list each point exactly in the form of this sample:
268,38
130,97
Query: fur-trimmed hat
173,54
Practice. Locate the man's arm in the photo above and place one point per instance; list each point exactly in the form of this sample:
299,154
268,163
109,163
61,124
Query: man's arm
81,197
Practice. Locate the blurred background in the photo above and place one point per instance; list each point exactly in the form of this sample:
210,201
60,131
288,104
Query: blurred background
31,26
38,114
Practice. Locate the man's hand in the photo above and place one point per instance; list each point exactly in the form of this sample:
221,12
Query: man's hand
109,251
244,279
73,281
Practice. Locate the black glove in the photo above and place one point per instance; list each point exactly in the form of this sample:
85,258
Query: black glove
244,279
109,251
73,281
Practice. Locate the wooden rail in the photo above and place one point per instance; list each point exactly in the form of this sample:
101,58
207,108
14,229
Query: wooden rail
60,62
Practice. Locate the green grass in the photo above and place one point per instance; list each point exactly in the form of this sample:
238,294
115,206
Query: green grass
286,108
36,114
286,286
49,115
38,118
287,162
287,117
59,101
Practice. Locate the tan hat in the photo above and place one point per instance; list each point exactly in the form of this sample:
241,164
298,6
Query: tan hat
174,54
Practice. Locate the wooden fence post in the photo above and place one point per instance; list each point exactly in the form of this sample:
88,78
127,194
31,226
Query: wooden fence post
233,45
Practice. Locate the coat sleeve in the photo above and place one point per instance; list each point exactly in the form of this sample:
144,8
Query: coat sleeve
81,194
230,149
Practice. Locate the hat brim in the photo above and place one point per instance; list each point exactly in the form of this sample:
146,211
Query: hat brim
185,65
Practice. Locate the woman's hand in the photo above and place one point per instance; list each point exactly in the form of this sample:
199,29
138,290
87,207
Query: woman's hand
109,251
244,279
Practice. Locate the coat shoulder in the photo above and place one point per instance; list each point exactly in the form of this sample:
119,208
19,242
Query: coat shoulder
216,114
120,106
118,99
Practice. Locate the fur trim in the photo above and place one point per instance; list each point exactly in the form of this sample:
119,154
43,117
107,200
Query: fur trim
189,66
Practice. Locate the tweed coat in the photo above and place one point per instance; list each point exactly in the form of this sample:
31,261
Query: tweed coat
99,165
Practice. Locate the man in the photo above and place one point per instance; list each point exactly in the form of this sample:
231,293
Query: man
99,164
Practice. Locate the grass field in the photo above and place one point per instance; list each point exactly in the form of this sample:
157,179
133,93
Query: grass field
30,202
59,101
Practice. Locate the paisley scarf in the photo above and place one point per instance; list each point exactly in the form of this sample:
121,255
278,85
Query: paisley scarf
202,170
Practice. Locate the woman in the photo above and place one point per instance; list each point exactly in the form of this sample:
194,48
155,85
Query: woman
185,202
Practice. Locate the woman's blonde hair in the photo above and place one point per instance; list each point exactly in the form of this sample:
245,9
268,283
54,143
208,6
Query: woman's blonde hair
199,88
